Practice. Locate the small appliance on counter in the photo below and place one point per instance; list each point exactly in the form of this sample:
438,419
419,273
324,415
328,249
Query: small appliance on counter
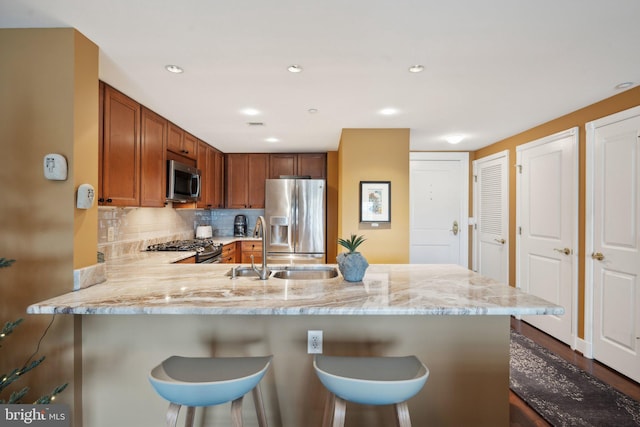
240,226
204,232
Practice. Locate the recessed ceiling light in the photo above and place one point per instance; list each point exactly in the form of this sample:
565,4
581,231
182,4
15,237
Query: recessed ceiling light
272,139
624,85
255,123
454,139
250,112
294,68
312,110
388,111
416,68
174,69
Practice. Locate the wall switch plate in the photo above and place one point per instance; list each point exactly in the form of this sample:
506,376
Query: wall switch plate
314,342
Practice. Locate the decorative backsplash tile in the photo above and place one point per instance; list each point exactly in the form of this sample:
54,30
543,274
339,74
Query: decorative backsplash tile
122,231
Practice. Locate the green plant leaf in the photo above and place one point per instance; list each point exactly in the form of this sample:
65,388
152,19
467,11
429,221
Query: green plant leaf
352,243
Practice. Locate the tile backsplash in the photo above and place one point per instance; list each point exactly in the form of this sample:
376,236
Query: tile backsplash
125,230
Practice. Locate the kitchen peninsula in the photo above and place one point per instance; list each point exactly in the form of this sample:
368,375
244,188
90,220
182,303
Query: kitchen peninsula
455,320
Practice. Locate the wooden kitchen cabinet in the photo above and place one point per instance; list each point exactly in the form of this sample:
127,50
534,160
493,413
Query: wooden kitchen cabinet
248,248
313,164
282,164
228,253
153,152
181,142
218,190
120,150
302,164
210,163
245,180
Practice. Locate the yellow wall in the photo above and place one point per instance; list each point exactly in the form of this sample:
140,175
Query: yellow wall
623,101
47,104
85,147
375,155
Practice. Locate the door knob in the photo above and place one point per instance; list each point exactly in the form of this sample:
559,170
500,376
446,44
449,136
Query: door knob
565,251
501,241
597,256
455,228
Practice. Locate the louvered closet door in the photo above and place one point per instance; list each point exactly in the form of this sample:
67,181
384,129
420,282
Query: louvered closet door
492,215
547,188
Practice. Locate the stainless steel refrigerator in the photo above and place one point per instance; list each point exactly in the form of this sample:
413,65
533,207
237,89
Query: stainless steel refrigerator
295,215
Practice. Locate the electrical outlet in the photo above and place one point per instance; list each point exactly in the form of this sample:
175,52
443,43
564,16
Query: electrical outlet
314,342
111,234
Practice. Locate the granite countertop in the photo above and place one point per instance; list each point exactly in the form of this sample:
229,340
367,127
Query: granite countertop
147,283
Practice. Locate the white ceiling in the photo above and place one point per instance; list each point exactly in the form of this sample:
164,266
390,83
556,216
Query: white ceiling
493,68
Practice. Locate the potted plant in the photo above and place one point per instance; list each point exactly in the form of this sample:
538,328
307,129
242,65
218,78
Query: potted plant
352,264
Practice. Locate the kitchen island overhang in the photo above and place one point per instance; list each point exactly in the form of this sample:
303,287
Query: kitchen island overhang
387,289
454,320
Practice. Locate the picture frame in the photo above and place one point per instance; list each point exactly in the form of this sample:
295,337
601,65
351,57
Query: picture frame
375,201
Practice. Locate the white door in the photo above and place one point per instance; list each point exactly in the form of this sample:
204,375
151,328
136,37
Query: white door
491,210
439,208
547,228
613,239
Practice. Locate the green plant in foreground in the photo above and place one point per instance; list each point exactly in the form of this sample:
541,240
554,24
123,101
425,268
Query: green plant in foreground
352,243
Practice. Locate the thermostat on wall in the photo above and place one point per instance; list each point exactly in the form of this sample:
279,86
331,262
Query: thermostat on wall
55,167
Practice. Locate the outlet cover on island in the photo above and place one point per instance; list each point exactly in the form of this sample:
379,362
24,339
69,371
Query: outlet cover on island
314,342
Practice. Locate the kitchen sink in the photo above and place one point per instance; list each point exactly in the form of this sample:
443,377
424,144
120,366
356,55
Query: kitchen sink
296,272
243,272
306,273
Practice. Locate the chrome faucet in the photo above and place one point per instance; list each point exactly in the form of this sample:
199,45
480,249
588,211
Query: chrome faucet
260,228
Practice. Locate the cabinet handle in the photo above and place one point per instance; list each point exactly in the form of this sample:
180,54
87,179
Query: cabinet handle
101,200
501,241
598,256
109,200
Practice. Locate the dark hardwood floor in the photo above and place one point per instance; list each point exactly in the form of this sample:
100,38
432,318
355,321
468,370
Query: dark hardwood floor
521,415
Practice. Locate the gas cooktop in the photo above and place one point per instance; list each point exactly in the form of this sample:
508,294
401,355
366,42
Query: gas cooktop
184,245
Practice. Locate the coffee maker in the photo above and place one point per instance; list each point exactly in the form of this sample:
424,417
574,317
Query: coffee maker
240,226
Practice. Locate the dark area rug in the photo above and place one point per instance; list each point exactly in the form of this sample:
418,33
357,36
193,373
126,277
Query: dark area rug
563,394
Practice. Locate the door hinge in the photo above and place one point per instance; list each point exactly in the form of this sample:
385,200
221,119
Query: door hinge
475,178
519,168
520,231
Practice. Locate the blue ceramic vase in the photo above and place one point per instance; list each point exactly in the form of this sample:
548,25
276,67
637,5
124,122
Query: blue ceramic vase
352,266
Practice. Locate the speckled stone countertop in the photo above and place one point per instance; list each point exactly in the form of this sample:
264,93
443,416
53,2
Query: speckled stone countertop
148,283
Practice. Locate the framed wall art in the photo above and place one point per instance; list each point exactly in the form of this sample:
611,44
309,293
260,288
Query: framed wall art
375,201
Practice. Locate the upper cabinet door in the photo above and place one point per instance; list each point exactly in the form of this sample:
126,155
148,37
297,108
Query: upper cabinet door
246,175
282,164
258,174
181,142
121,156
153,159
236,172
218,183
312,164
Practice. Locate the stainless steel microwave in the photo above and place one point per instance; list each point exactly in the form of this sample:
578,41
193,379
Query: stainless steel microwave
183,182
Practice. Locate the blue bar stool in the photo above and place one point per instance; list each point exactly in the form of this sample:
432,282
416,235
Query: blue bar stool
369,381
208,381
